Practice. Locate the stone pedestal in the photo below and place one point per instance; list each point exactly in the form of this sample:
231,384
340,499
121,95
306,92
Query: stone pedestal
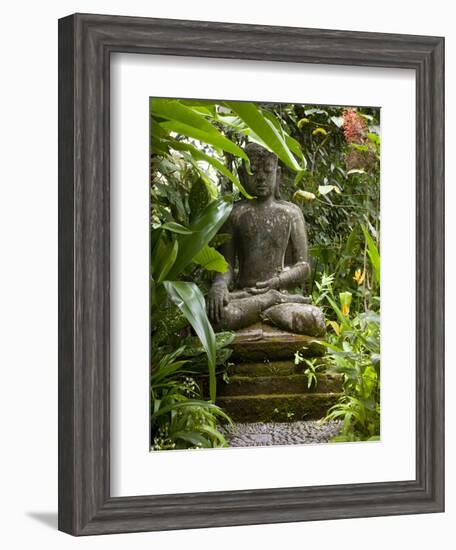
261,342
266,386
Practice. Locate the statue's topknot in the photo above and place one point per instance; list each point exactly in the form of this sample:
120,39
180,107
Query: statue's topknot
253,149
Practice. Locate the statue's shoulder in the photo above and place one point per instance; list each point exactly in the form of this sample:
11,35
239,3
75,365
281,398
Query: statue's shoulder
238,209
291,208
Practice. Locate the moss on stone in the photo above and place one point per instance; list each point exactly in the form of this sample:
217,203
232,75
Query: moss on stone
276,348
279,384
269,368
278,408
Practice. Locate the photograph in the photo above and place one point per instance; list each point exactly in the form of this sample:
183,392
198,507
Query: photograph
265,242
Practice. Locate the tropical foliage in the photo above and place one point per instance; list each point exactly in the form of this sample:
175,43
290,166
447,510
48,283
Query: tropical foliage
329,162
353,350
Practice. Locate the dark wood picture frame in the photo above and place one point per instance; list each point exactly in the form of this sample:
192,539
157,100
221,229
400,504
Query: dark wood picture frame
85,45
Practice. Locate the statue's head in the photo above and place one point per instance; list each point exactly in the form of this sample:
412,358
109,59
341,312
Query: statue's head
263,181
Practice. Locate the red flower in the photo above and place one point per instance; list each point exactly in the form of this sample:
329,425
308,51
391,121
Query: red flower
355,127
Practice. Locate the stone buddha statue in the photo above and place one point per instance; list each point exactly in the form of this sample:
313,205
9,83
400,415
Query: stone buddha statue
267,257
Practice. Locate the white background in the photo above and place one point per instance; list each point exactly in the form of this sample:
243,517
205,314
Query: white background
133,78
28,286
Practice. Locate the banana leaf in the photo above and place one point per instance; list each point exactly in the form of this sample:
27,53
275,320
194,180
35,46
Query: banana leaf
204,228
189,299
214,138
199,155
175,227
292,143
265,130
163,257
211,259
171,109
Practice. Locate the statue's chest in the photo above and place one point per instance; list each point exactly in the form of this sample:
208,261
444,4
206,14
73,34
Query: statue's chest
266,232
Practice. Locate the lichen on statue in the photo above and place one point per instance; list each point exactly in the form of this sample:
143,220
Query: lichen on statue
258,285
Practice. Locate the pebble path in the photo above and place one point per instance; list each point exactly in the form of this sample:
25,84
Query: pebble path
280,433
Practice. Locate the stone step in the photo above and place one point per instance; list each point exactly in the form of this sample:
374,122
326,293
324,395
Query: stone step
269,368
262,342
279,384
278,407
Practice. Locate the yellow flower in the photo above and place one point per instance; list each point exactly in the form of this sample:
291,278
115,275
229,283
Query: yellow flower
301,195
359,276
302,122
319,131
336,327
345,301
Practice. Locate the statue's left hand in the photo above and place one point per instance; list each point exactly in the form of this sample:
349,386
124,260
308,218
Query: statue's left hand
217,299
263,286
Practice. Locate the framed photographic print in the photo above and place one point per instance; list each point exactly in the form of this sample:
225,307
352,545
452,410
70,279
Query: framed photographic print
226,193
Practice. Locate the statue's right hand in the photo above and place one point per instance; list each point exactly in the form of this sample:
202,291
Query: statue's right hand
217,299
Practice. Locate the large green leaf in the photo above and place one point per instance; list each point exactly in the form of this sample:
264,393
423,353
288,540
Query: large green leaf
175,227
293,144
201,105
156,131
232,121
199,155
373,252
265,130
204,228
254,137
172,109
163,256
189,299
214,138
211,259
158,146
240,126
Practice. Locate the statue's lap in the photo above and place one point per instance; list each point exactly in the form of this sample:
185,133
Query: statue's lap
289,312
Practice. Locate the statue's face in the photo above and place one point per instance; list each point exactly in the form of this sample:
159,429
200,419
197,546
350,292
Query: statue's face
261,183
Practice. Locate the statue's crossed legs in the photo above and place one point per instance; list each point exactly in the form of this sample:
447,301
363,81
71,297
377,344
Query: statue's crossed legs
290,312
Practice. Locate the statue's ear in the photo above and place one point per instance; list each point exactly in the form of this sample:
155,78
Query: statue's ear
277,183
